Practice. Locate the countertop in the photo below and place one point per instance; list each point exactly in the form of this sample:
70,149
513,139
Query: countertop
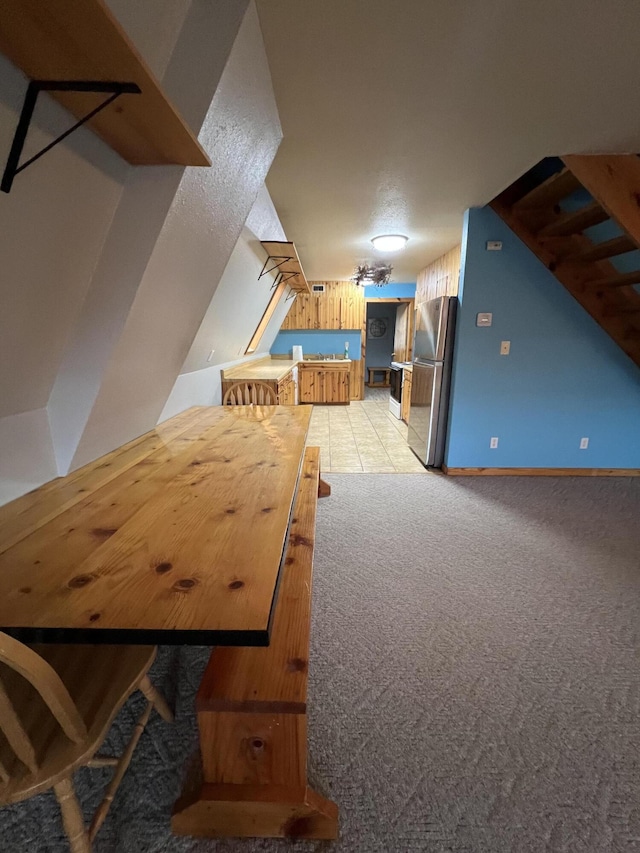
268,369
272,369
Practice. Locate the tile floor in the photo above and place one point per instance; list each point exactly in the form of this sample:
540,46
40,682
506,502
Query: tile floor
361,437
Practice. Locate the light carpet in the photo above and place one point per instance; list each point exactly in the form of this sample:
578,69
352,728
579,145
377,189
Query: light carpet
474,680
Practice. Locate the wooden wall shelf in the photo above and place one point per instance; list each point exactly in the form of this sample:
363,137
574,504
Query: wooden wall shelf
71,40
286,261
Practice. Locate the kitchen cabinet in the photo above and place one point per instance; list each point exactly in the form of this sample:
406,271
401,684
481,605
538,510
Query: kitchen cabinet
407,378
324,382
287,390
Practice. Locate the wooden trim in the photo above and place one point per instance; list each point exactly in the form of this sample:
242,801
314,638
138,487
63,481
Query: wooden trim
264,322
541,472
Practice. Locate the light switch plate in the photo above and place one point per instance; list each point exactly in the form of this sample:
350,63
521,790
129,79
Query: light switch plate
485,319
505,347
494,245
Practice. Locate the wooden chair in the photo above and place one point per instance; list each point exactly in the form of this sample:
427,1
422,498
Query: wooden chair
250,394
57,704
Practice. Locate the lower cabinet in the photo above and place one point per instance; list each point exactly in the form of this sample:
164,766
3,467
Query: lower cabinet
287,390
320,384
406,395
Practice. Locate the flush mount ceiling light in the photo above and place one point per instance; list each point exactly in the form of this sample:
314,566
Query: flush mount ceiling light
389,242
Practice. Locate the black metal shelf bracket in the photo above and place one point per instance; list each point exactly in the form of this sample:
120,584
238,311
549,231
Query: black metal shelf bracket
33,90
282,259
287,276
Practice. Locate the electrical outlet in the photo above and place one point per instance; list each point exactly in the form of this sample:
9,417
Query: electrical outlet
584,443
494,442
210,356
505,347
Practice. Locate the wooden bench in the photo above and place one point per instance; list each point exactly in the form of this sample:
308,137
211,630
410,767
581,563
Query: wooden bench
387,377
252,703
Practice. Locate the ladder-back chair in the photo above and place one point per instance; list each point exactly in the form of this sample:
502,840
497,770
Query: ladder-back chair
250,394
57,703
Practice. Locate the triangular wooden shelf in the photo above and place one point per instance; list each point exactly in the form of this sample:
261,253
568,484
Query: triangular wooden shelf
71,40
286,260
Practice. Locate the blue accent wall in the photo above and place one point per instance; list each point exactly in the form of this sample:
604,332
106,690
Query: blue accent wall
406,290
565,379
326,341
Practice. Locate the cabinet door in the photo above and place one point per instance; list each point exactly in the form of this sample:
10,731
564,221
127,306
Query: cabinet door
284,389
306,385
406,397
290,392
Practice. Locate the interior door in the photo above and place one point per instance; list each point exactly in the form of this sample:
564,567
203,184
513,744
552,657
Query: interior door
402,341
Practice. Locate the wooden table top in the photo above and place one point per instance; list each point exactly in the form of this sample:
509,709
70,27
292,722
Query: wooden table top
176,537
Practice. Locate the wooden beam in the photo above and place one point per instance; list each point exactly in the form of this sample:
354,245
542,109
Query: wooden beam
574,221
557,187
614,180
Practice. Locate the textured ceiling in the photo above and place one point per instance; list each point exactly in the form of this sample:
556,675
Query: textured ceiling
397,116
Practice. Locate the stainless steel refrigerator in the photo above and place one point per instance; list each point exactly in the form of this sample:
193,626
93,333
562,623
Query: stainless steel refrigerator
432,356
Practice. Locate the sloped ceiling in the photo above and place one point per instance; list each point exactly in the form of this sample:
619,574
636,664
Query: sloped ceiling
400,114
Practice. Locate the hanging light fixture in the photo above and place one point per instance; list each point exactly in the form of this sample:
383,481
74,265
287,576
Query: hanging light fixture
377,274
389,242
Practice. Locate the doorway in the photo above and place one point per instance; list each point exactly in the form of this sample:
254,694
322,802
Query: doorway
379,353
387,335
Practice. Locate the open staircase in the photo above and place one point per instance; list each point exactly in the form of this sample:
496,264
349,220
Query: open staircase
580,215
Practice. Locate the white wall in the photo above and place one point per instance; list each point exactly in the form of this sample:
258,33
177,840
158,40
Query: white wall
233,314
241,298
241,134
110,268
27,458
53,224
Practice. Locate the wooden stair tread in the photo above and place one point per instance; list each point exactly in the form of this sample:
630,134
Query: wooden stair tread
619,280
601,251
274,678
67,40
558,186
575,221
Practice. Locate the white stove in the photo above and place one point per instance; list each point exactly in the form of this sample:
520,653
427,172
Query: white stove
395,398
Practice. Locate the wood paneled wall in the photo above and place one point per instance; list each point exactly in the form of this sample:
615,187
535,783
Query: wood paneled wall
341,306
440,278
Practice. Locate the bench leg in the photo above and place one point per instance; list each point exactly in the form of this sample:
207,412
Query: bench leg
254,765
324,489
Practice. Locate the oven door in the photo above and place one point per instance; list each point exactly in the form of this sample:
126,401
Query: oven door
396,384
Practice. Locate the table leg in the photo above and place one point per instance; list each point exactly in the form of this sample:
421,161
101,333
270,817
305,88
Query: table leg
254,779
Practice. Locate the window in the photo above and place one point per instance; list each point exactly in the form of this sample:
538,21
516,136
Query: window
268,314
